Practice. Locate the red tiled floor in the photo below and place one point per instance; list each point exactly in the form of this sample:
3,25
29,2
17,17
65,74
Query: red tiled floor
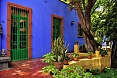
25,69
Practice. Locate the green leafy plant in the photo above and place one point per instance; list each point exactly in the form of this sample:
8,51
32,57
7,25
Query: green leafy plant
82,48
88,75
94,71
107,73
66,60
90,53
75,55
67,57
59,49
73,72
50,69
48,58
103,52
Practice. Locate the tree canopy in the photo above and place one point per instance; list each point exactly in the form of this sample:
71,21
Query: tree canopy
104,23
98,18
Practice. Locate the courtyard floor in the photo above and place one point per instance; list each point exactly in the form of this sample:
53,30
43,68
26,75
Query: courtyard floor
25,69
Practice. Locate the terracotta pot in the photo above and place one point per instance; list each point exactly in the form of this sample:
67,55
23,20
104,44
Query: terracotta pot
103,55
76,59
58,65
89,57
65,62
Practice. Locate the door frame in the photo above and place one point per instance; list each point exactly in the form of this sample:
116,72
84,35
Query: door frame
8,44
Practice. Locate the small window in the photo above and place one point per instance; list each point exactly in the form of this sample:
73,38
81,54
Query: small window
80,32
57,27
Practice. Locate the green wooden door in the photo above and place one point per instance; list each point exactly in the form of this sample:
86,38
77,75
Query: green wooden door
56,27
19,34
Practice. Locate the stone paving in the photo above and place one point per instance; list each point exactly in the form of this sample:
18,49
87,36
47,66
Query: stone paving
25,69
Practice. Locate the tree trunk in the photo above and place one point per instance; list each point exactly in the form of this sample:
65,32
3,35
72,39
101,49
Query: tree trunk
114,54
90,43
85,21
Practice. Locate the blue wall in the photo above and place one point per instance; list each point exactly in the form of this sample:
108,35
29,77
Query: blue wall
0,34
0,11
41,23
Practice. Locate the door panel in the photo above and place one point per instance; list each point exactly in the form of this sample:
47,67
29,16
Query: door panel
19,34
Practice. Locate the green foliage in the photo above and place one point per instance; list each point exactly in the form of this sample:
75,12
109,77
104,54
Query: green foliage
90,53
68,72
82,48
101,16
59,49
104,22
109,73
48,58
50,69
94,71
67,57
75,55
73,72
103,52
87,75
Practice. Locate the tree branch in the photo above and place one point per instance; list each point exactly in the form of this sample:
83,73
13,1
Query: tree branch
91,4
84,4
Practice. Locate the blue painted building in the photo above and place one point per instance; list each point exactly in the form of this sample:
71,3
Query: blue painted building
31,25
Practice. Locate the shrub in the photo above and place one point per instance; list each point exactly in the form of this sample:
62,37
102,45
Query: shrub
108,73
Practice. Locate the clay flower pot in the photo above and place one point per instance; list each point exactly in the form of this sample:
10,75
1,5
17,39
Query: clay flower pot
89,57
66,62
58,65
76,58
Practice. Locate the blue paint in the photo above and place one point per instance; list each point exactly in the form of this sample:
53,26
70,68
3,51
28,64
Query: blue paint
41,23
0,46
0,11
0,34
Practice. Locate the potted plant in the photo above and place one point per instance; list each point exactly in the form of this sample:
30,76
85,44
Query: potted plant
103,52
82,48
59,49
49,58
50,70
66,60
90,53
75,56
73,72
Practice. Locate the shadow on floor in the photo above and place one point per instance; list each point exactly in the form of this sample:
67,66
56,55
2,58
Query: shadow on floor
25,69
